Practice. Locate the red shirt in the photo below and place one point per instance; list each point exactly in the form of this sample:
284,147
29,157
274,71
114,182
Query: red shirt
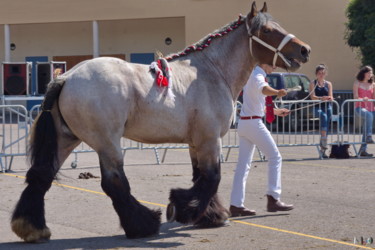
365,93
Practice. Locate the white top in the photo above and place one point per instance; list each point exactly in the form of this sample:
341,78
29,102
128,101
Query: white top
253,98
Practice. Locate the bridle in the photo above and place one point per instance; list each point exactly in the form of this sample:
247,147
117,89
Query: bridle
277,50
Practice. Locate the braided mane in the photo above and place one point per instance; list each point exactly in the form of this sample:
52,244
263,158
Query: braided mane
206,41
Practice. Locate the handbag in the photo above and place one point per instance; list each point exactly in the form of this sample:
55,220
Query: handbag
340,151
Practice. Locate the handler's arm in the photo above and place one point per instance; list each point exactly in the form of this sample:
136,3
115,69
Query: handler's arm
269,91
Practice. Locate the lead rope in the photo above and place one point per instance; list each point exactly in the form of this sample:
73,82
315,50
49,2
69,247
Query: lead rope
299,101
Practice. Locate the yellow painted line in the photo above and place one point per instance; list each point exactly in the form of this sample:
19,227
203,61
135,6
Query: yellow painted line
85,190
101,193
236,221
301,234
18,176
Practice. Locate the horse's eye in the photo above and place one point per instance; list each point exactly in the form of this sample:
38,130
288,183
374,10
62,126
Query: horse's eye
266,30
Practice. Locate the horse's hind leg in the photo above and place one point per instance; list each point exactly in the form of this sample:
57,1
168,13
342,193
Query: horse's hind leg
136,219
28,220
200,204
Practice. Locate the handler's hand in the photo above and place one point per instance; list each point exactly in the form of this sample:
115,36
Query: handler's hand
281,112
281,93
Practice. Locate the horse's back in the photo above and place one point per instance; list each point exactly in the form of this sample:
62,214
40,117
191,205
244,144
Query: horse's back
116,98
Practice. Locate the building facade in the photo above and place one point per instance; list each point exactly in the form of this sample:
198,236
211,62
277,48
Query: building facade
74,30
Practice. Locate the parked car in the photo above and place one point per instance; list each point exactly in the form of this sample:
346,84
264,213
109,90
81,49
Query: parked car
297,86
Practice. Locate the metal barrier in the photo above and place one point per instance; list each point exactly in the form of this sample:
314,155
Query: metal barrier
301,128
165,147
84,148
353,128
14,133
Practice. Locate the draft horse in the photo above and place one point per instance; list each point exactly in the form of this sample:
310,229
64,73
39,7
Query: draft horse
102,100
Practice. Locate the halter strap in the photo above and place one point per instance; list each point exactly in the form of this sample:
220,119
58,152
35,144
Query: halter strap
277,50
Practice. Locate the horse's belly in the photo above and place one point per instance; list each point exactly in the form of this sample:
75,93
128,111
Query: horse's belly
151,128
155,132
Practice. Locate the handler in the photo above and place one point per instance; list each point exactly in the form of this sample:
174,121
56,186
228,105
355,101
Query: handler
252,132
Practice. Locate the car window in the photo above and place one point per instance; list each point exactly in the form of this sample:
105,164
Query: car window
297,82
305,83
292,82
273,81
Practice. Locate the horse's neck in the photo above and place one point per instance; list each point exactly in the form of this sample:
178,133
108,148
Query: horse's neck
231,56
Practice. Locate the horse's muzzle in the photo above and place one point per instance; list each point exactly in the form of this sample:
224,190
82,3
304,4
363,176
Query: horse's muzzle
305,53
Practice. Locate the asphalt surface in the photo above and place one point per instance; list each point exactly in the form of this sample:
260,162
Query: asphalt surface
334,203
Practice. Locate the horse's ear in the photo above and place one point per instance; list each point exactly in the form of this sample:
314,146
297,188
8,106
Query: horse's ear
253,11
264,9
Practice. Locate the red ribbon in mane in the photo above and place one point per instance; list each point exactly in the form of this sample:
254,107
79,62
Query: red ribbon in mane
161,80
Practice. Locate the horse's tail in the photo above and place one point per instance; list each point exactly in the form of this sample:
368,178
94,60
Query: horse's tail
28,220
42,151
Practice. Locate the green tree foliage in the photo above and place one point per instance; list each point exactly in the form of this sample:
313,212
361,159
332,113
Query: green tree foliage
361,29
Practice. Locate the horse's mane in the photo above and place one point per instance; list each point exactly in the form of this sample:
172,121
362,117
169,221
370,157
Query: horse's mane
260,20
257,22
205,42
221,30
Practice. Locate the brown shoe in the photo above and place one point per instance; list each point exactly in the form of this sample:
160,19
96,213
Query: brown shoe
241,211
274,205
365,154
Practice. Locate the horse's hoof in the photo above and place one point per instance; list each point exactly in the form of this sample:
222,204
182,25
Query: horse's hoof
226,223
171,212
29,233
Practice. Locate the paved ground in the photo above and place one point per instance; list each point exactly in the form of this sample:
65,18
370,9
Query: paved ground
334,202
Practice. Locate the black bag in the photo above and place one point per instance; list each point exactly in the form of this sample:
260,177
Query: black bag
340,151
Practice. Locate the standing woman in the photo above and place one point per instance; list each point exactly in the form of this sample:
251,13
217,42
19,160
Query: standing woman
363,89
322,90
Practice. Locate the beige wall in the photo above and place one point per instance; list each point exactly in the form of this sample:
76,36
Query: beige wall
51,39
142,35
321,23
116,37
65,28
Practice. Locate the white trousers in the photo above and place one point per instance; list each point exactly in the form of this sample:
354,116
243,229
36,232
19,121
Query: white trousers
254,133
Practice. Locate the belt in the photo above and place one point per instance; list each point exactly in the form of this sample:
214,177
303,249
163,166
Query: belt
250,117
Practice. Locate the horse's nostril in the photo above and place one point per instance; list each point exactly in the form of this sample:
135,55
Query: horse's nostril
305,51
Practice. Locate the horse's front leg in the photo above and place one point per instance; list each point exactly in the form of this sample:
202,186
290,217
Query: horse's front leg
200,204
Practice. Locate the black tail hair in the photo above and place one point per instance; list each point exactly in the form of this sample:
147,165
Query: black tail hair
28,220
42,149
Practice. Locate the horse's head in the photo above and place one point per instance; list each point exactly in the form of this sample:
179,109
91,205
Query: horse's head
271,44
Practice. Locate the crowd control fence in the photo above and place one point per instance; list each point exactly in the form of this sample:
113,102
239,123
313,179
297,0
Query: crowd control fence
302,127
